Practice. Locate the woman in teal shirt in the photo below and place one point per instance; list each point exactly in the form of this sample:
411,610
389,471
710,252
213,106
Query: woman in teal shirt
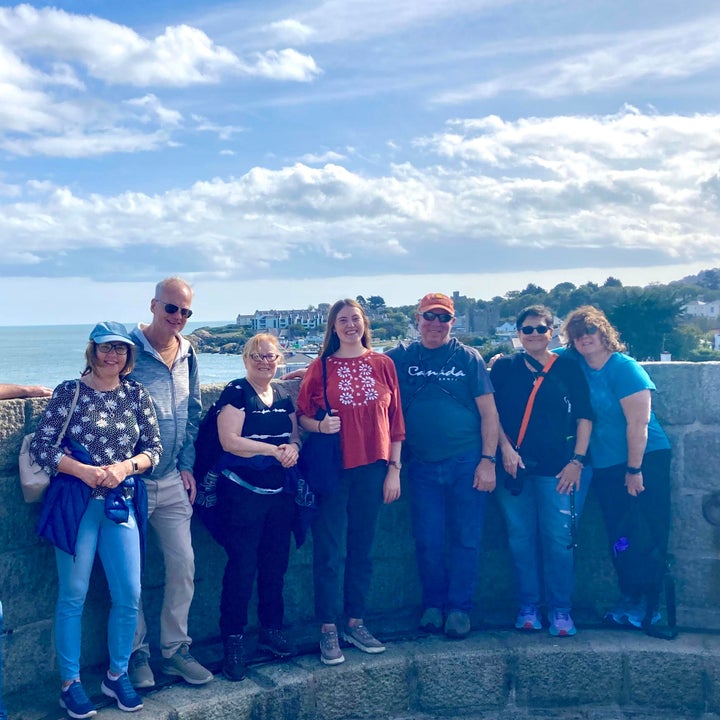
630,456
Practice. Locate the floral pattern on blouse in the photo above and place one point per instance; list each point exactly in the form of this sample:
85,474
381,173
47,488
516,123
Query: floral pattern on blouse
356,382
112,426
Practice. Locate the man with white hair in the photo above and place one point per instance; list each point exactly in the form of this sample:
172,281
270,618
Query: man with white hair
166,365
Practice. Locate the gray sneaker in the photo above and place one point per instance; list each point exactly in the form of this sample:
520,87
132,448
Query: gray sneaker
330,652
432,620
184,665
457,625
139,671
361,638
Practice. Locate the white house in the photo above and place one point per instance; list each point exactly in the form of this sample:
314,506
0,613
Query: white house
698,308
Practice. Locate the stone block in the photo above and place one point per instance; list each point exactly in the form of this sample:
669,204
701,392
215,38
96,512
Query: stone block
562,672
701,450
678,398
665,677
697,582
461,677
17,518
689,529
709,392
289,692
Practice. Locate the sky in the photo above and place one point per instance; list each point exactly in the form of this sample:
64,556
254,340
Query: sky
282,154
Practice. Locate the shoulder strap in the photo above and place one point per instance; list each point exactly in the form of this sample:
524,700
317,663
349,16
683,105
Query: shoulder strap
61,436
324,369
531,400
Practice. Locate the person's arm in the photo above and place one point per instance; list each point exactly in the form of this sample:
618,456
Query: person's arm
636,408
186,456
569,476
490,430
9,391
391,486
230,424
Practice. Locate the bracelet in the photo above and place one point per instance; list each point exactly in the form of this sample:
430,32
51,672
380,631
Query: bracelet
575,461
580,458
491,458
319,426
633,470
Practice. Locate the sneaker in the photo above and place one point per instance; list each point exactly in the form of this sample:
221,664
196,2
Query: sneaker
123,692
636,615
432,620
618,615
330,652
457,625
359,636
76,702
184,665
276,642
561,624
528,618
139,672
234,658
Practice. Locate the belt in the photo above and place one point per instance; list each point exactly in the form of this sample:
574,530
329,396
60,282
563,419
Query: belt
230,475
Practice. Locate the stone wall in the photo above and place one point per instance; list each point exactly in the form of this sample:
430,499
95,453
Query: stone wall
687,404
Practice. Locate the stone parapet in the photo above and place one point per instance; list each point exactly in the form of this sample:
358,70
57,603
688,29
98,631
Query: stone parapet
687,404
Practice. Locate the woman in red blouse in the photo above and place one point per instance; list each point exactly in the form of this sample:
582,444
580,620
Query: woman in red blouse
363,392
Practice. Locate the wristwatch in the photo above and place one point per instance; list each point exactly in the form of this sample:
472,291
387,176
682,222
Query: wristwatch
633,470
136,468
395,463
491,458
580,458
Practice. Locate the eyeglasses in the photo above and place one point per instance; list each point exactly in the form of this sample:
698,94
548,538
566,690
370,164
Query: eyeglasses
587,330
119,348
528,329
267,357
171,309
429,315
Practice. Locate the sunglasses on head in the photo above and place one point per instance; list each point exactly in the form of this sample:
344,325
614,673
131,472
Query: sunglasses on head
429,315
528,329
171,309
267,357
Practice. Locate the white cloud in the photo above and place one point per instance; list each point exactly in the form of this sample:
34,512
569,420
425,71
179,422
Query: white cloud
290,30
156,110
116,54
630,181
321,158
608,61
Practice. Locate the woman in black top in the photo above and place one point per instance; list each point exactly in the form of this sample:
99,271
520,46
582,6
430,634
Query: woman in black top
546,478
258,432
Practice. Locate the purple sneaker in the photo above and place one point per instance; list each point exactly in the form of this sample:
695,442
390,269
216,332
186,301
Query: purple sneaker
561,624
528,618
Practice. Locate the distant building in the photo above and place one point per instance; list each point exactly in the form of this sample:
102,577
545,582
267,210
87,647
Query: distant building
698,308
275,321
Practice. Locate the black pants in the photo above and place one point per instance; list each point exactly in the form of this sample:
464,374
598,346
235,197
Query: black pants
637,527
350,510
256,529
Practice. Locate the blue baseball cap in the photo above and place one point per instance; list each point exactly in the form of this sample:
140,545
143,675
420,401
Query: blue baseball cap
110,331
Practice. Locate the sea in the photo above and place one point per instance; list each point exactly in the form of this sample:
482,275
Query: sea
48,354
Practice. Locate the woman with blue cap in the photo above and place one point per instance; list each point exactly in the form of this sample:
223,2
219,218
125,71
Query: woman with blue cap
97,435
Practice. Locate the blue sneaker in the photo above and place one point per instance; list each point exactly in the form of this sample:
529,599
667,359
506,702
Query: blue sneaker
123,692
528,618
618,614
561,624
636,615
75,701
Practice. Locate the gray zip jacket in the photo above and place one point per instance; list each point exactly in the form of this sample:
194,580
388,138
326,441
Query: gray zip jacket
175,392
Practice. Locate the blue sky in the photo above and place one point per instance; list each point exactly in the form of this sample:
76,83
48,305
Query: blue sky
284,154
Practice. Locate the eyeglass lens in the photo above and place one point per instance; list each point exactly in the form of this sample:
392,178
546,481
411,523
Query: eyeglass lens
171,309
267,357
528,329
119,348
429,315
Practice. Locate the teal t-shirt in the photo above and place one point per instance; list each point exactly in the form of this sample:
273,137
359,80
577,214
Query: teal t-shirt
619,377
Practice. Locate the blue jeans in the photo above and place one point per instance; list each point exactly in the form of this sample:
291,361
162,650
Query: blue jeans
539,532
444,502
119,548
3,711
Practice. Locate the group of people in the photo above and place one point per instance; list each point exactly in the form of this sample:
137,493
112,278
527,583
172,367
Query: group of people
533,429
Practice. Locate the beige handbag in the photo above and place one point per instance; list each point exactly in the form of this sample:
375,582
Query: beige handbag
33,479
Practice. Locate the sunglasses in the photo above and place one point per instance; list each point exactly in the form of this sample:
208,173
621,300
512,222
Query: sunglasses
528,329
429,315
587,330
171,309
119,348
267,357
